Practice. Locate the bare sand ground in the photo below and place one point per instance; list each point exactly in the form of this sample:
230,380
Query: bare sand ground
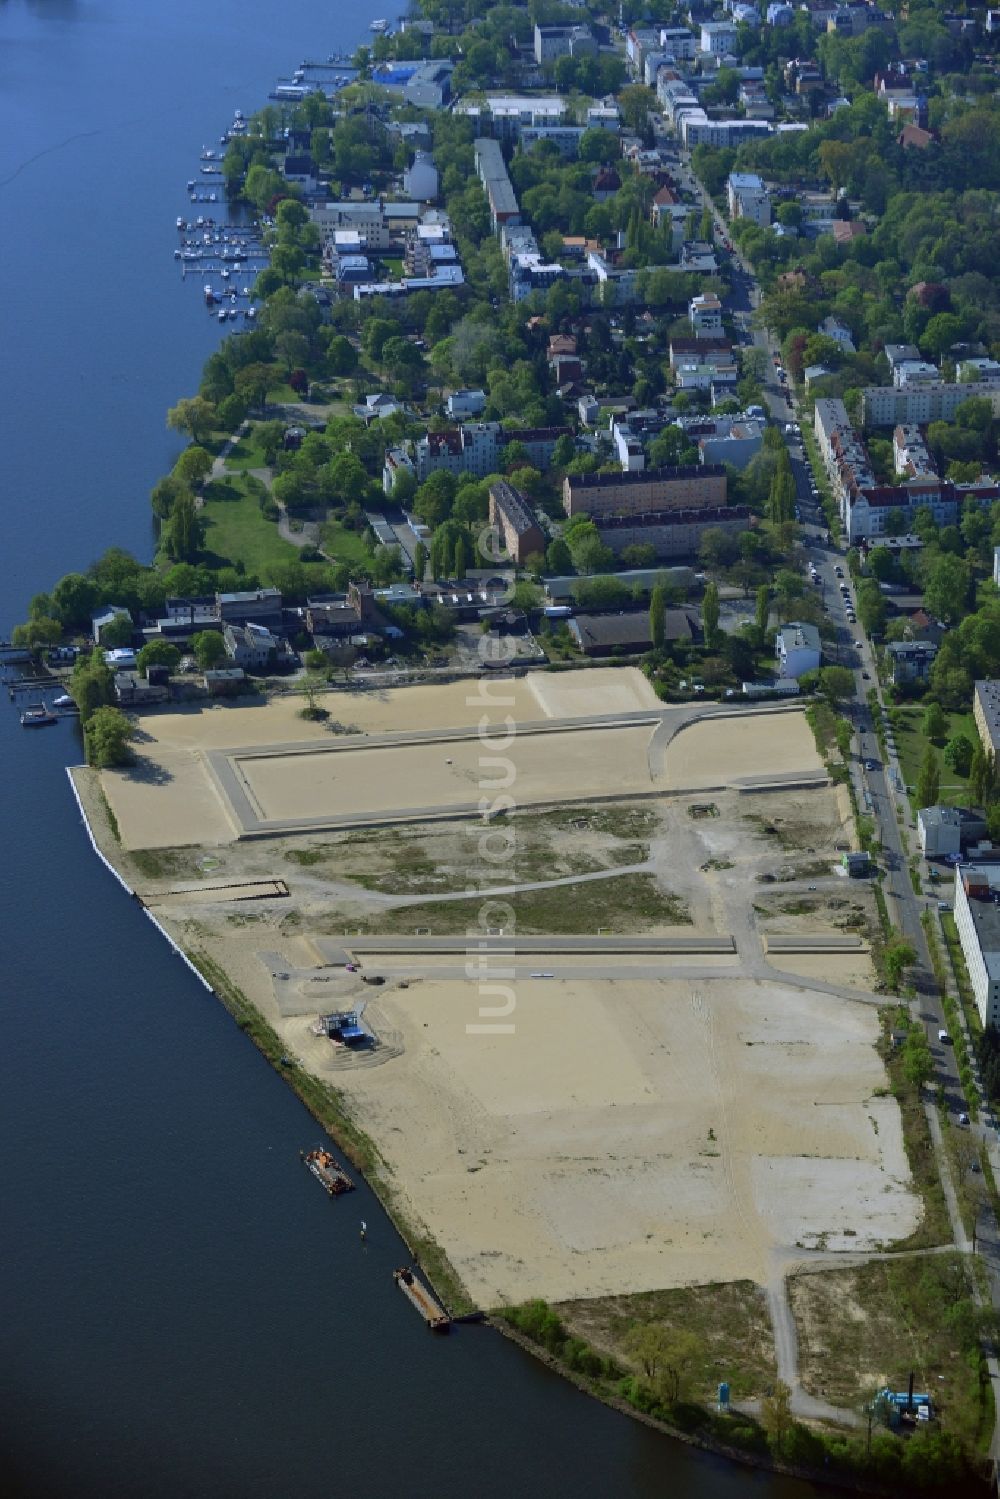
167,799
447,705
605,689
536,767
633,1135
853,970
712,753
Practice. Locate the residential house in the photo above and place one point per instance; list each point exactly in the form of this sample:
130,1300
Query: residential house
748,198
705,315
466,403
797,648
512,515
251,647
420,180
910,661
718,38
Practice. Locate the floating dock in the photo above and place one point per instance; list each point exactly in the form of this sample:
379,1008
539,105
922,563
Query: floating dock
328,1171
418,1295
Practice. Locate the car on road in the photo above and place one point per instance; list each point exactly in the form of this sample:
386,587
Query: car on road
866,675
871,765
839,571
858,644
963,1118
944,1038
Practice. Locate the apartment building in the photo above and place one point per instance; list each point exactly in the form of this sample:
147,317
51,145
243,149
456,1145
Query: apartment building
652,492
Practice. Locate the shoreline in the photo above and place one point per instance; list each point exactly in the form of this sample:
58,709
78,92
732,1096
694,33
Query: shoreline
327,1107
322,1100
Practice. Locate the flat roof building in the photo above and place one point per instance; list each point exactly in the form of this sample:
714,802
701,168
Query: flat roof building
986,712
977,917
492,171
513,517
649,492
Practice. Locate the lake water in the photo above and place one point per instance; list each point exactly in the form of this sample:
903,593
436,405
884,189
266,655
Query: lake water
182,1311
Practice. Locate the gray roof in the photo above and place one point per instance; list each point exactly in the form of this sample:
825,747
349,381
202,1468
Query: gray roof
799,637
988,698
939,817
986,915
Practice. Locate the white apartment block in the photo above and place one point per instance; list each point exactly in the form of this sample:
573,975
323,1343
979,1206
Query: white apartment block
748,198
705,315
977,917
718,38
916,405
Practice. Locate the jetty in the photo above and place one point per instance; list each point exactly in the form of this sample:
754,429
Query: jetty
419,1296
327,1170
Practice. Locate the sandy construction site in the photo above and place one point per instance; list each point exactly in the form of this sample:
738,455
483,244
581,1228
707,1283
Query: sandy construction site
643,1118
212,774
636,1134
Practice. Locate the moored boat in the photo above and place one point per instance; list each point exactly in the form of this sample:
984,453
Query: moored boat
420,1297
37,716
327,1170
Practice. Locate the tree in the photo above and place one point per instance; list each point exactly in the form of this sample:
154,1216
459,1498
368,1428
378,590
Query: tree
184,530
763,610
193,416
946,587
929,780
899,955
158,653
776,1415
635,102
958,754
107,735
117,632
419,562
658,616
836,683
341,356
935,723
193,466
91,685
710,614
558,559
209,649
982,776
39,631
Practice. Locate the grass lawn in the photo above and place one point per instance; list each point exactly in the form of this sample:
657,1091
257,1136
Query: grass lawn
284,395
628,903
863,1327
344,545
246,454
237,531
729,1322
911,743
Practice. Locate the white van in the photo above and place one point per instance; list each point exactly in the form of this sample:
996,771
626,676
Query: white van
943,1037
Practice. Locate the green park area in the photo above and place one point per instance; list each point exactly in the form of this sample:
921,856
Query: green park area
912,741
237,531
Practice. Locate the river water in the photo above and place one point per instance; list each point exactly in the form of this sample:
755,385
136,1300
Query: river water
182,1312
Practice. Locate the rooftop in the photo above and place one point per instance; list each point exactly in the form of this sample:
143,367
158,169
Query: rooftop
985,910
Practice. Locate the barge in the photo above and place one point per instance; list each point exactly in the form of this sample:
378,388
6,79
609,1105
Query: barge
327,1170
419,1296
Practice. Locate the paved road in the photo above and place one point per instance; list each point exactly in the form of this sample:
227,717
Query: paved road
881,795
